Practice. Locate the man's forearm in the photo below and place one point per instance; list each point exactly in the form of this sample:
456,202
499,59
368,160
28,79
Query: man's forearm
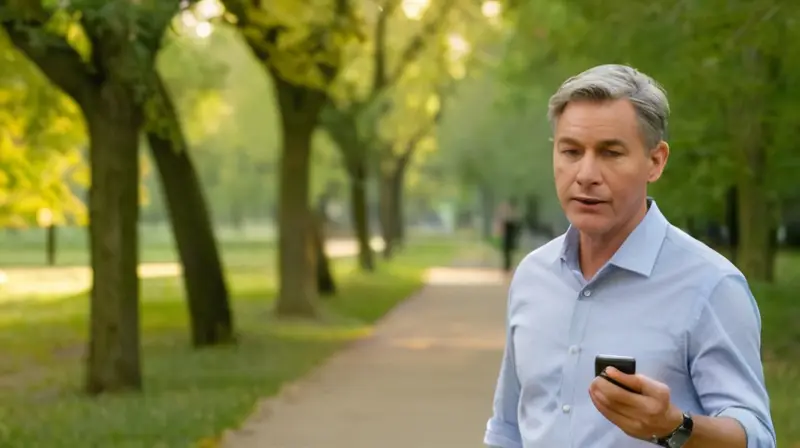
716,432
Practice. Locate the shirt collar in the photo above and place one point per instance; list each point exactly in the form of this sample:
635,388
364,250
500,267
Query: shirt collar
639,251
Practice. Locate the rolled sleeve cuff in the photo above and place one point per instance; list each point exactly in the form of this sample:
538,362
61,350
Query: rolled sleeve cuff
758,433
500,435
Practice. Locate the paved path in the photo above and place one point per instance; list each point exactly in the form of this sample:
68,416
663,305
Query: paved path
424,380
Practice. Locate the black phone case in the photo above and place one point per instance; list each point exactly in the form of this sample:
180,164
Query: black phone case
624,364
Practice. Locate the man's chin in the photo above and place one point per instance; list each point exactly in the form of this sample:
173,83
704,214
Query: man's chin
589,225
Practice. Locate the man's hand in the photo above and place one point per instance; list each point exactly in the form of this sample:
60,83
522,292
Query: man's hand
641,415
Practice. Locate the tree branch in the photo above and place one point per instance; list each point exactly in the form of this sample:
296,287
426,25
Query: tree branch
413,142
54,56
413,49
379,55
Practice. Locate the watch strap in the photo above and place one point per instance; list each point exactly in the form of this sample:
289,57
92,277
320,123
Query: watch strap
679,436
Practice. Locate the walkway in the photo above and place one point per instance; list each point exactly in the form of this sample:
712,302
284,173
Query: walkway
425,380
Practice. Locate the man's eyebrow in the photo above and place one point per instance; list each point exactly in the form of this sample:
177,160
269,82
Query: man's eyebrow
569,141
601,144
611,142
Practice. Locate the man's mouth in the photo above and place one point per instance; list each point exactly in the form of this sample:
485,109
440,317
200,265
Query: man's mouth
589,201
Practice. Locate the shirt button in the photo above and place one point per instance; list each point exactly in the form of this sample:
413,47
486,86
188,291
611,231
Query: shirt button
587,293
566,408
574,349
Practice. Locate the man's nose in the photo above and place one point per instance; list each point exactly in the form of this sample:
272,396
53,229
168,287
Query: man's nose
588,170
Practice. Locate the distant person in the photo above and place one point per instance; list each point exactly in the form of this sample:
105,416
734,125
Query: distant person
623,281
510,224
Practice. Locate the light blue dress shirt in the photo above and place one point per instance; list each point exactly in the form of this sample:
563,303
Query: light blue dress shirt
684,311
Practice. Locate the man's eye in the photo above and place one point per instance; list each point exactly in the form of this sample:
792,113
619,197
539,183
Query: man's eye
612,153
570,152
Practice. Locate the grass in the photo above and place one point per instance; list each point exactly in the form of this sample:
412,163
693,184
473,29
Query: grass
194,395
189,395
780,317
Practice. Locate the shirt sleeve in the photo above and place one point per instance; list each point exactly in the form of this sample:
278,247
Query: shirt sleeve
502,430
725,360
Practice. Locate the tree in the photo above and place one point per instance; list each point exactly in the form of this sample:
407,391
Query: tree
738,135
210,313
301,46
351,118
102,54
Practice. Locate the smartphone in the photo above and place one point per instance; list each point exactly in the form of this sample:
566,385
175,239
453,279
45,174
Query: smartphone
624,364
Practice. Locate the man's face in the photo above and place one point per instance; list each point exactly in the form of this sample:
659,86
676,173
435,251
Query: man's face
601,165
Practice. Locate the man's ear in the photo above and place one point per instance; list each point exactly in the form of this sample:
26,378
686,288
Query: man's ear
658,161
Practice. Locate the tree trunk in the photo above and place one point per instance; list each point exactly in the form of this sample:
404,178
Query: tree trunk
732,221
206,291
391,207
487,206
51,244
114,123
386,212
398,211
754,133
326,286
360,218
296,256
754,243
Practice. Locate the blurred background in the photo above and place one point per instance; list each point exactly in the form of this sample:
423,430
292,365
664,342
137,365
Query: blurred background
267,162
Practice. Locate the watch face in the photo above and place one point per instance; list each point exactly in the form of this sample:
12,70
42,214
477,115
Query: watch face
679,439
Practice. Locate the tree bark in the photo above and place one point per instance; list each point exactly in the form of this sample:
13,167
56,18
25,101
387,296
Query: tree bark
206,292
359,216
297,290
754,253
114,122
398,224
52,233
487,214
326,286
732,221
386,213
391,206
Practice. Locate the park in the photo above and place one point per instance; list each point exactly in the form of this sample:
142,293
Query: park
209,205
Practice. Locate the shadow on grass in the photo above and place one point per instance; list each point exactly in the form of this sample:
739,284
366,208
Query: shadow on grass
189,394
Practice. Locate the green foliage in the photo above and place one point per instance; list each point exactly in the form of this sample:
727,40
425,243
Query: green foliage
41,147
727,67
300,42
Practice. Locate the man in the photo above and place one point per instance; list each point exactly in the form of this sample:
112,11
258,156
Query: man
623,281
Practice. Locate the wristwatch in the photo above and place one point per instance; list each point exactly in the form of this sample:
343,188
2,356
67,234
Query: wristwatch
679,436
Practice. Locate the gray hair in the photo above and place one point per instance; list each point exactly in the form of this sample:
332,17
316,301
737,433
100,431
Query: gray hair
613,82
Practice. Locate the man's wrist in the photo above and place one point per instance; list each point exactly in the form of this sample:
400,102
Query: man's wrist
672,422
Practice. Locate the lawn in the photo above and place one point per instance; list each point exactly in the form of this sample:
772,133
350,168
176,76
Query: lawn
193,395
780,317
189,395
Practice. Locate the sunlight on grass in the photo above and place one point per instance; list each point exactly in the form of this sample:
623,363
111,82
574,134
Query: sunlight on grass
190,395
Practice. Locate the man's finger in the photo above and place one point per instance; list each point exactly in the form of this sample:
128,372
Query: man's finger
618,395
653,388
631,381
617,383
598,396
653,398
628,424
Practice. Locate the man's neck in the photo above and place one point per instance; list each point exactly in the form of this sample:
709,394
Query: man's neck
596,250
